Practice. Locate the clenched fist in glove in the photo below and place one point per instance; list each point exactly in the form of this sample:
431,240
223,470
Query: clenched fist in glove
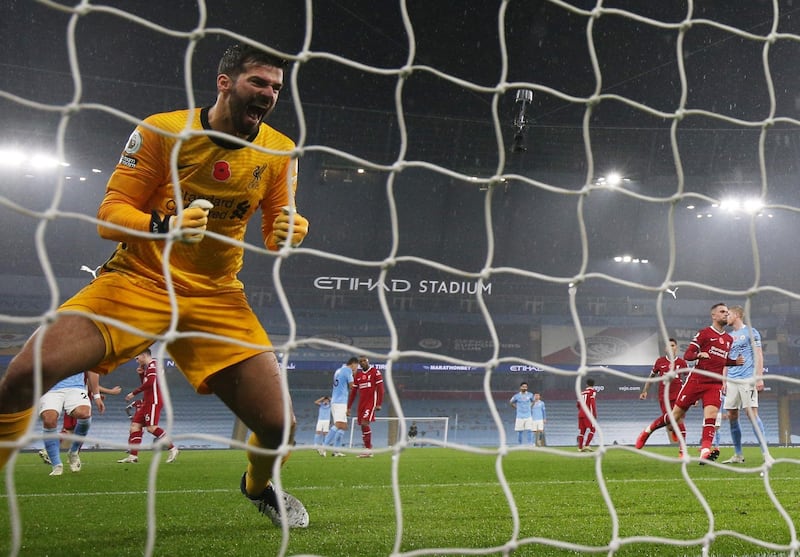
193,221
280,229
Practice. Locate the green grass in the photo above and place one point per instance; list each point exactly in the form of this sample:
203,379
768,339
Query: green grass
449,499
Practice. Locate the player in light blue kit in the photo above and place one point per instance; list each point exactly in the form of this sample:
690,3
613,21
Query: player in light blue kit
323,422
71,396
522,402
743,393
539,416
342,383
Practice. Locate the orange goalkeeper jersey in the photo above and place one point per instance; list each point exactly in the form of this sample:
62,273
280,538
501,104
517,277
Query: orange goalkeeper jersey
236,179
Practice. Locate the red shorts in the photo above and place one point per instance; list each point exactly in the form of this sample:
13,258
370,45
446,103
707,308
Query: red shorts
673,398
114,296
366,414
709,392
147,414
584,424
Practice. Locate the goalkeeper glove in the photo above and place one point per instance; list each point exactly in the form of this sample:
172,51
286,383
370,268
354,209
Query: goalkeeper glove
193,223
280,228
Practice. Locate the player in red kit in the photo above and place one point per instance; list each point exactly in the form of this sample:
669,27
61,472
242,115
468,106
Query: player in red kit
665,364
368,386
586,427
148,414
709,348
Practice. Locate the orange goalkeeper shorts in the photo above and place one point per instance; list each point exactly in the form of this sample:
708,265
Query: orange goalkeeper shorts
143,313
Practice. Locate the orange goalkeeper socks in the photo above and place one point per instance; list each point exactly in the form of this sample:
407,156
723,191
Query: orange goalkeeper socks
12,427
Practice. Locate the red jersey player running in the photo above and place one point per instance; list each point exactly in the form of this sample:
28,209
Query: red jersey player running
149,412
664,365
368,385
710,348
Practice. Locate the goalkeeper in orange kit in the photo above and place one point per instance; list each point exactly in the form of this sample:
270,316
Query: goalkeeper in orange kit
215,185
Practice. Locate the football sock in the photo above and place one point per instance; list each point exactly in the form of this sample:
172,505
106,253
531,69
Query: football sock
81,428
589,437
763,434
707,437
658,423
519,438
331,435
366,435
259,467
339,440
159,433
318,438
580,440
52,446
134,439
736,435
12,427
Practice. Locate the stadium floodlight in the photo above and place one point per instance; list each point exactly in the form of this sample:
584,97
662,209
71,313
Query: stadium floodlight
735,206
40,161
11,157
630,259
611,180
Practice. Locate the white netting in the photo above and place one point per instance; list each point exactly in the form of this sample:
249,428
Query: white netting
692,101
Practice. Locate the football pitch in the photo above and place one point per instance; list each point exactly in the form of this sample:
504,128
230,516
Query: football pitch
453,499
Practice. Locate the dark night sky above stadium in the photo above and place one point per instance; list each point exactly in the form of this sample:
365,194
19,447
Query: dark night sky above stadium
136,69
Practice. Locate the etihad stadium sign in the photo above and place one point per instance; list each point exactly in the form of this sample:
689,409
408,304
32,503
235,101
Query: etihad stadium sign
355,284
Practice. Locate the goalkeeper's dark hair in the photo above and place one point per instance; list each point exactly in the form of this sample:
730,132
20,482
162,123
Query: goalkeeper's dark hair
237,56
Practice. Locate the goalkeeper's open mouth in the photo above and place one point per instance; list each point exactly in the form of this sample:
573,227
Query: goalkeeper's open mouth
256,113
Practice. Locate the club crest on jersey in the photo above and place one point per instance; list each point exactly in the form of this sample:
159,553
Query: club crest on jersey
134,143
222,171
257,173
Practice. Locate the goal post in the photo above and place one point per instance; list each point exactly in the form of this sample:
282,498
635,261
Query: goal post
430,430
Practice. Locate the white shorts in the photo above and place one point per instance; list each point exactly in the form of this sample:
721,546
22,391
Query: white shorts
64,399
323,425
523,424
339,412
741,395
538,425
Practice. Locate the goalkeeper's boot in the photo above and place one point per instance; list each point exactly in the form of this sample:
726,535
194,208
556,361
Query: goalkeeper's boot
267,504
642,439
74,461
45,457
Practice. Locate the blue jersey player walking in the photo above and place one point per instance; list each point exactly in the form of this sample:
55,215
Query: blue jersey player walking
342,383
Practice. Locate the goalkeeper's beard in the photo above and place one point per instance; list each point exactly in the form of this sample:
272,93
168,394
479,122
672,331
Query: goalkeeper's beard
239,119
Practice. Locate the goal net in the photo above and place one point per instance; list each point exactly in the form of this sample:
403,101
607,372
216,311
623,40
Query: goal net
537,191
421,432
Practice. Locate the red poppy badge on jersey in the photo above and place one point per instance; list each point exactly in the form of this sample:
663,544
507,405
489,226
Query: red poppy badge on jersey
222,171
